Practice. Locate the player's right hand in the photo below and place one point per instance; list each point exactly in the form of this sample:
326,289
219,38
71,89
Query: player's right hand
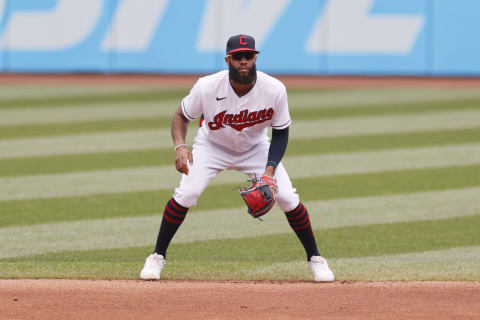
183,157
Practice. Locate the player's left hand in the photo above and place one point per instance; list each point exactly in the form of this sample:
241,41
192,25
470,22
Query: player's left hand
272,183
183,157
260,196
270,180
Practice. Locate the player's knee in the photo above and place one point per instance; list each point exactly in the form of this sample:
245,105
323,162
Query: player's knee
287,200
187,198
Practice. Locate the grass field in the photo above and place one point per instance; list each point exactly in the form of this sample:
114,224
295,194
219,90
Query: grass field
391,179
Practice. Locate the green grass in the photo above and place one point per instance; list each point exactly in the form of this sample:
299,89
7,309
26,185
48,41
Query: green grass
436,249
85,162
153,157
28,212
237,259
64,128
390,109
152,95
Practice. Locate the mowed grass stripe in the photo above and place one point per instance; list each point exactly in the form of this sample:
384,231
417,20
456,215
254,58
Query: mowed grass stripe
32,123
154,122
94,113
149,139
360,98
385,124
235,223
223,259
67,128
166,177
26,212
28,96
454,264
155,157
89,143
20,92
86,162
459,263
391,109
387,141
93,99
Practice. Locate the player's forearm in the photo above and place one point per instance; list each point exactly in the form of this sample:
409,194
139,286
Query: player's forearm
179,128
269,171
278,146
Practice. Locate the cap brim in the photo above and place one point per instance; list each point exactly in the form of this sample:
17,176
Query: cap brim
242,49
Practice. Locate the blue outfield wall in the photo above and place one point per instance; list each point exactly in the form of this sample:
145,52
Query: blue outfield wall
378,37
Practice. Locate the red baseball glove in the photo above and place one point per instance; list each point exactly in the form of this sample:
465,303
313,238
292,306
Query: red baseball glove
260,196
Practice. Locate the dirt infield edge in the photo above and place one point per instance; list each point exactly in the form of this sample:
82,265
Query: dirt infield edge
82,299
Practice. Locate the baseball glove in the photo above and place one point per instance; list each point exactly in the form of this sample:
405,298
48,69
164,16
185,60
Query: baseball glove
260,196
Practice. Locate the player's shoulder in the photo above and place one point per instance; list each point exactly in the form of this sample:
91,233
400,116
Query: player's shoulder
270,81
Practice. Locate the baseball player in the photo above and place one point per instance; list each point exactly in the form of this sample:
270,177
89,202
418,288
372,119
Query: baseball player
238,106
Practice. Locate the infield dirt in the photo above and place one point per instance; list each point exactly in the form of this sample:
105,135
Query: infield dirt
86,299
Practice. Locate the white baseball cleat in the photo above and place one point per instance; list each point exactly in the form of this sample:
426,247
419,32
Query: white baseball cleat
321,271
153,267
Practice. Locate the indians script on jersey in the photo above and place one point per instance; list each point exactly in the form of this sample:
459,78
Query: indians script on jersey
240,120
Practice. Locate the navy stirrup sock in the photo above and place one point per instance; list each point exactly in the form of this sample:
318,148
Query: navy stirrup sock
300,223
173,217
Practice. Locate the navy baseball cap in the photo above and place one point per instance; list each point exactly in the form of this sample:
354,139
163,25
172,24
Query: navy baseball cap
241,42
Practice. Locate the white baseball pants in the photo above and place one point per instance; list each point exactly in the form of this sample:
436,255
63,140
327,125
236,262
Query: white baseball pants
209,159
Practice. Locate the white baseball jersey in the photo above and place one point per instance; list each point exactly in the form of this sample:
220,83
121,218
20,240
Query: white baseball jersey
237,123
234,134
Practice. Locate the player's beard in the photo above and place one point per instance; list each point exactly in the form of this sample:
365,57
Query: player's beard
238,78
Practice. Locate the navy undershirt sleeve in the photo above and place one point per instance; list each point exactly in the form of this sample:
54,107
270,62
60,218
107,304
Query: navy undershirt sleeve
277,147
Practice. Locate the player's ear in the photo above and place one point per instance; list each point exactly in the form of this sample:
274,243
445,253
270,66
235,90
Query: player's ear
227,59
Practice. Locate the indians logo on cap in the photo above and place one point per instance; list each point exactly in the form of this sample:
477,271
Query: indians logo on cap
240,120
243,40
